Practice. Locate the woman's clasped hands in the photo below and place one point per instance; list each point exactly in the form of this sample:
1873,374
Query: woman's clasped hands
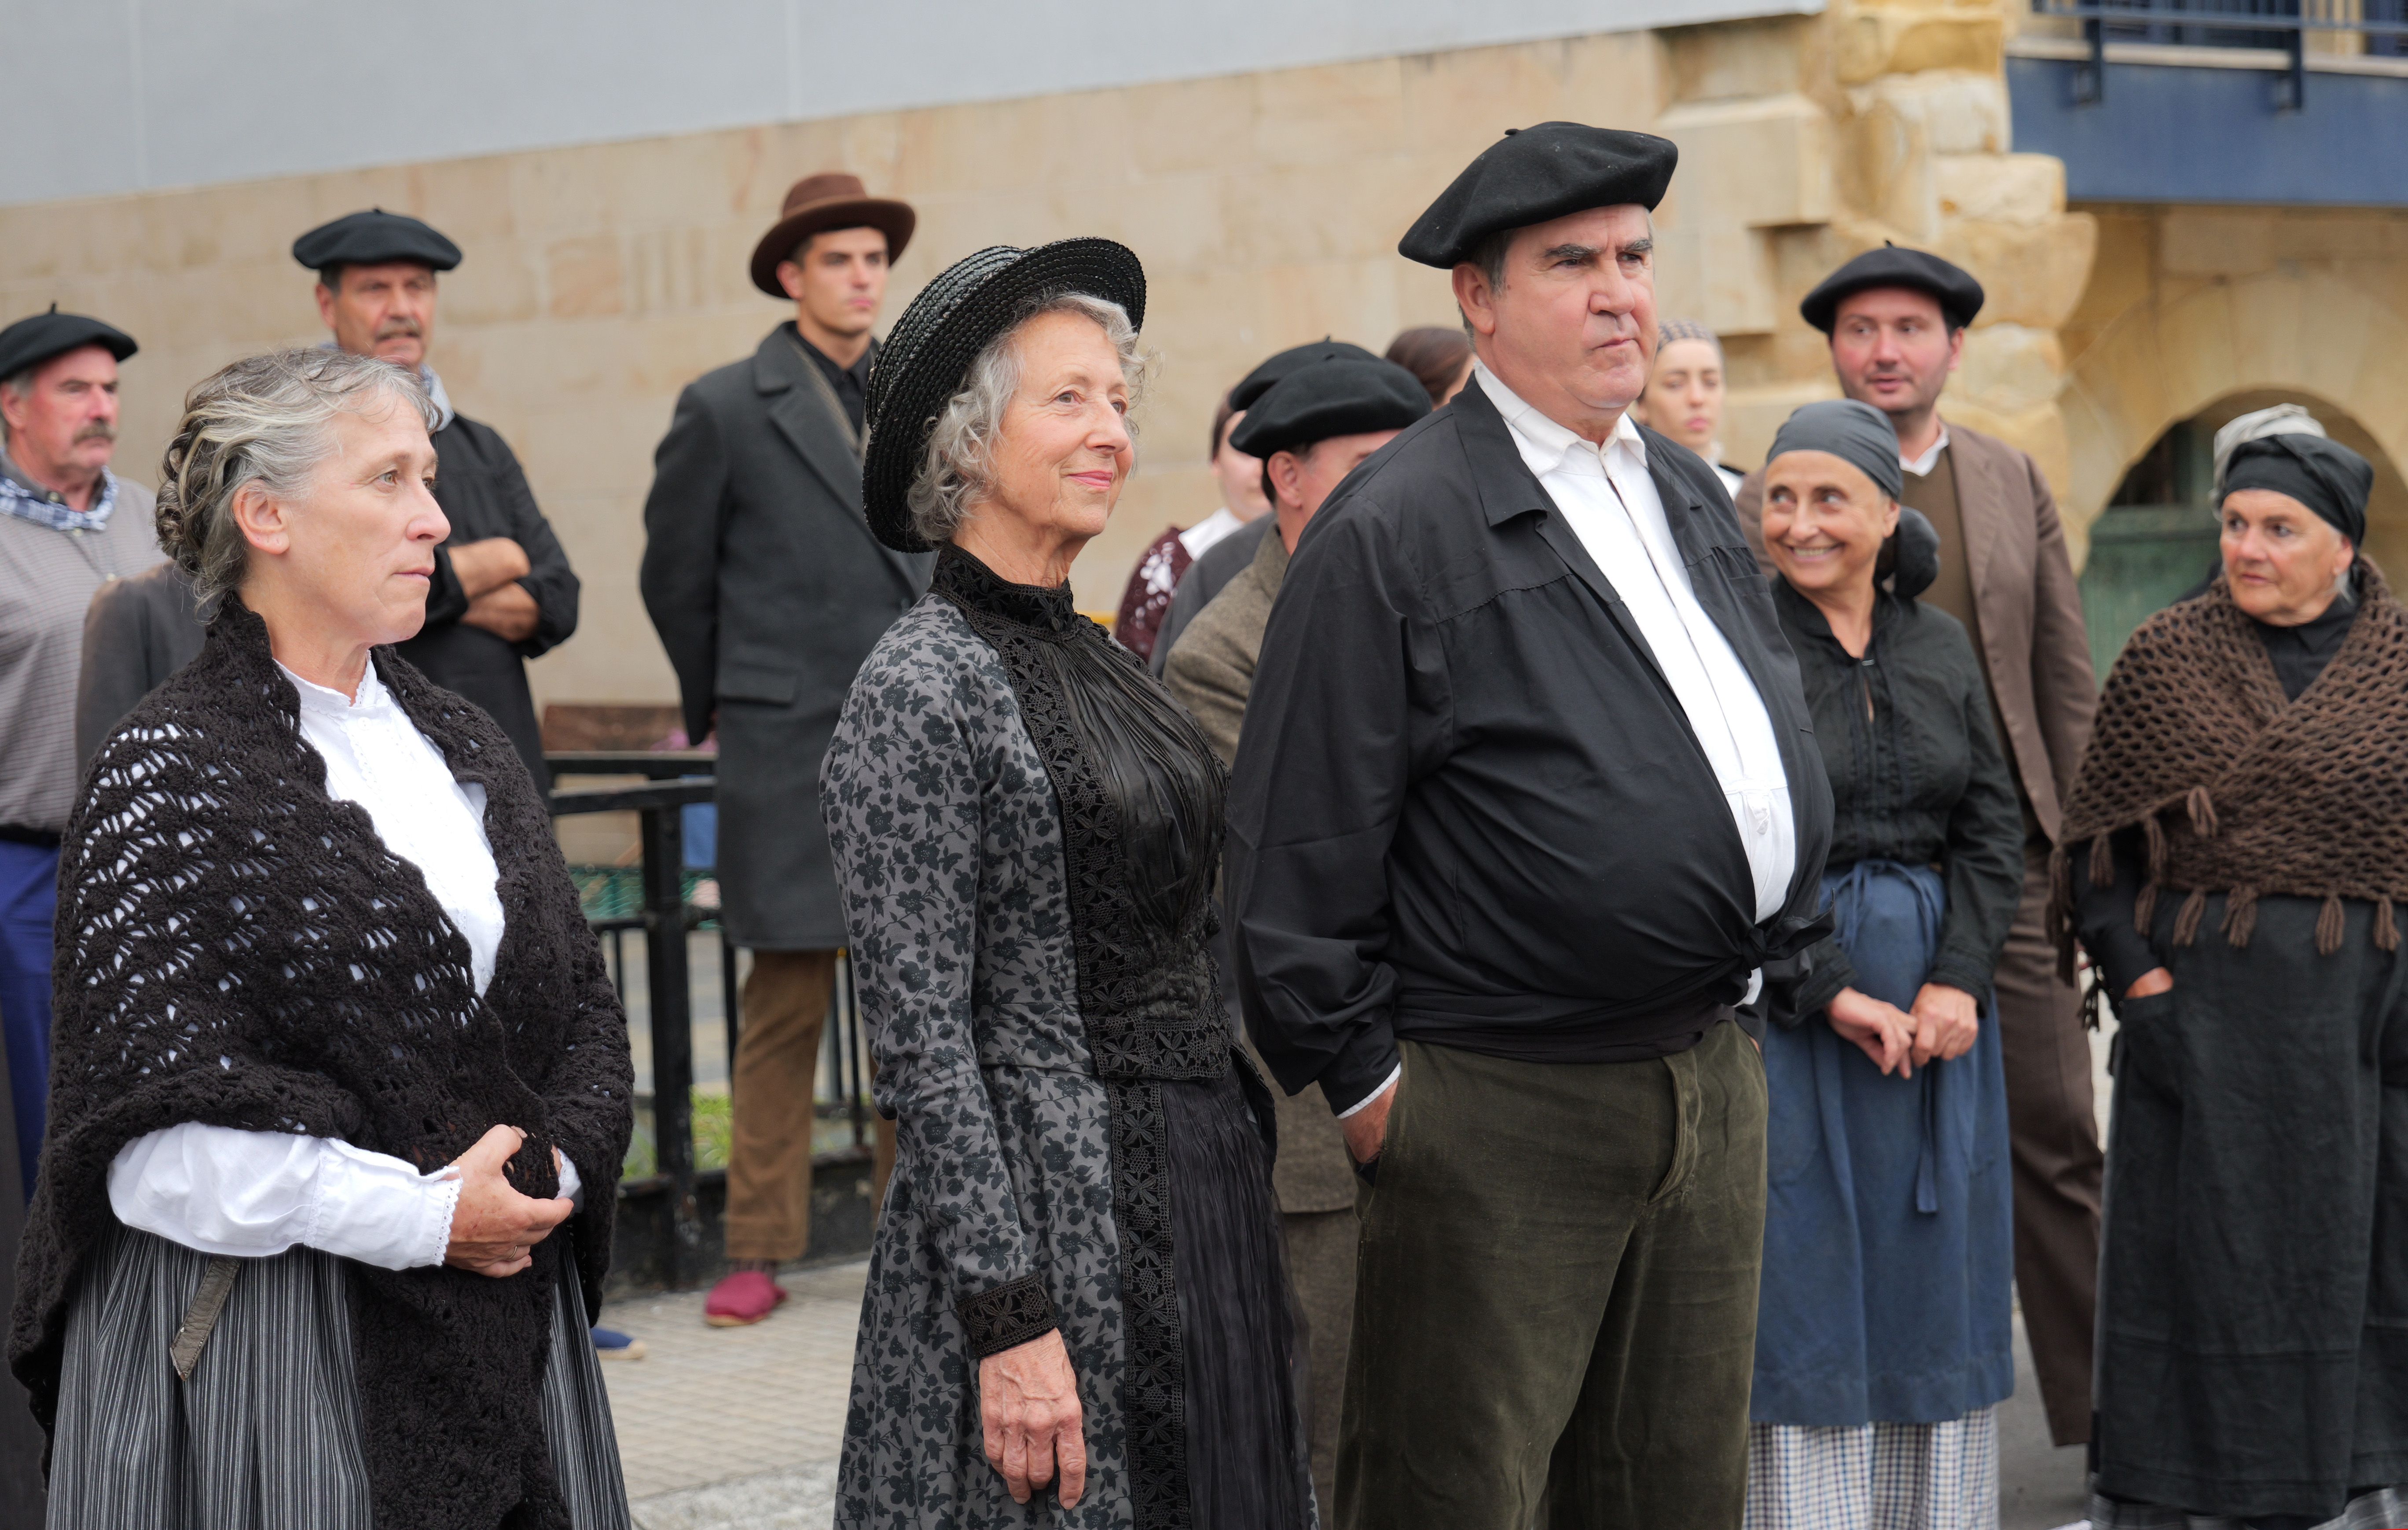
1943,1023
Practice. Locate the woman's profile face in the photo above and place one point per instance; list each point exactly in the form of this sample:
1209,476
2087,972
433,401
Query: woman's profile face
1063,453
1825,521
355,553
2281,558
1685,394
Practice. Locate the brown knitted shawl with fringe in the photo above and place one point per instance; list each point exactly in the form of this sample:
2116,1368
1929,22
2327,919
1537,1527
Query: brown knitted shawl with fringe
2236,788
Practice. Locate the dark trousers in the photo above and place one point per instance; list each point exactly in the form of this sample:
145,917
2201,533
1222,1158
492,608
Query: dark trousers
29,900
2052,1133
1554,1321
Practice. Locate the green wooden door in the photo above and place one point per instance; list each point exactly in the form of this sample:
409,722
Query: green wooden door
2142,559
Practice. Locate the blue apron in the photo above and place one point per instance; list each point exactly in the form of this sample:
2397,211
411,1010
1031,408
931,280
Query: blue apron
1888,1237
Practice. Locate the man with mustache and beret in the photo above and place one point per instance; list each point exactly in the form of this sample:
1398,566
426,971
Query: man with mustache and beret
1528,795
1897,320
503,591
1315,426
68,525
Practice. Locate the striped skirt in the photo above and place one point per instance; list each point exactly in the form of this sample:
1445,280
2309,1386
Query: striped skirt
265,1436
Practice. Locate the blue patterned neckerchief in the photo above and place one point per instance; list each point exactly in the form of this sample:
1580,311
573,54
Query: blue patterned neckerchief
44,508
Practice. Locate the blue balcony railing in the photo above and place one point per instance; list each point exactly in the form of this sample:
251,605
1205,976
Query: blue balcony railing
2379,28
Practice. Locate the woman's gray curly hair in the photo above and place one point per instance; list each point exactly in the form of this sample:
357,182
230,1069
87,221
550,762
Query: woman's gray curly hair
957,470
262,420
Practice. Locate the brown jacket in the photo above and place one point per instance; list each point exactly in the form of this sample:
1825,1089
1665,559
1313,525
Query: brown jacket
1211,672
2035,651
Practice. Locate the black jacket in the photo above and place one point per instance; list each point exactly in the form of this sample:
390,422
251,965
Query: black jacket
137,632
768,590
1466,808
1917,777
484,493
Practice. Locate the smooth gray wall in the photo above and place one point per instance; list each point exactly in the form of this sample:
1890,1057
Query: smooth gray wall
118,96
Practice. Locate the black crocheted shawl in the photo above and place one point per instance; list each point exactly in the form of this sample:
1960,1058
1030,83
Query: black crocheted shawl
236,948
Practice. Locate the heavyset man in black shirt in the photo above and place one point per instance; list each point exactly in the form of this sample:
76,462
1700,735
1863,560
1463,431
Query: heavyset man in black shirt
1516,817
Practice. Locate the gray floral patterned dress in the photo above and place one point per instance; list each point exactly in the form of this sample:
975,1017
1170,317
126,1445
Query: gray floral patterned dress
1026,829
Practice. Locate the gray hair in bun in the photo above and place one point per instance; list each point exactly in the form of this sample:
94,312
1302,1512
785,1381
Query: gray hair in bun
262,420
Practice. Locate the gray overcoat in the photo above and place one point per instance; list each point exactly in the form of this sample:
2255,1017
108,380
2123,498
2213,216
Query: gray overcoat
768,590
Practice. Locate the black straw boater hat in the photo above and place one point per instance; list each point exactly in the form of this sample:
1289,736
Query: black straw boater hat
927,355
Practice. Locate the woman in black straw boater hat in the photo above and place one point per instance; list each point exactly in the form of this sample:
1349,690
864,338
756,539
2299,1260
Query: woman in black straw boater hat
1076,1314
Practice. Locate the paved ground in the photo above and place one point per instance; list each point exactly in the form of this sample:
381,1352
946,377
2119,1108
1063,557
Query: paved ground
738,1428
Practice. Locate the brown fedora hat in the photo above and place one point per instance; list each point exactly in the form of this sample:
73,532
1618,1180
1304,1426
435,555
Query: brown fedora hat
817,203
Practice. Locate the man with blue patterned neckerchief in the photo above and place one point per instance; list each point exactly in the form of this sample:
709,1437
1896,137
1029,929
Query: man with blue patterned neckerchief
67,526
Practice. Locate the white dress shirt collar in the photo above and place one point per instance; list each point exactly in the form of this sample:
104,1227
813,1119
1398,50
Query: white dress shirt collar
1922,466
1545,445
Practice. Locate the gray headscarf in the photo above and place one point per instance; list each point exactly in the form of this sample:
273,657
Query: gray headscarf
1856,432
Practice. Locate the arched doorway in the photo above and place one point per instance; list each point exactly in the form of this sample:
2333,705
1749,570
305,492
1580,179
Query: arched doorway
2155,540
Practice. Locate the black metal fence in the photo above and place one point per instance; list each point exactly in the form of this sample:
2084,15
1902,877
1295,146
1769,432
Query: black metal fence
665,1214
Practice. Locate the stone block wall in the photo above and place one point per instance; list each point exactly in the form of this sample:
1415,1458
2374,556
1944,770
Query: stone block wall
2198,312
602,278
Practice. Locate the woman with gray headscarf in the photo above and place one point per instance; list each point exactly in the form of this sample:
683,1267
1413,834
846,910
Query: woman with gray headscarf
1883,1337
2233,851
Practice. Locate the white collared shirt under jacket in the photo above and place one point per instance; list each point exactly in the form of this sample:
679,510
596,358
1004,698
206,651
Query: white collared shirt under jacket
1610,500
252,1194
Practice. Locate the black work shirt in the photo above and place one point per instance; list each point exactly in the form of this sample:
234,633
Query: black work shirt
484,493
1466,808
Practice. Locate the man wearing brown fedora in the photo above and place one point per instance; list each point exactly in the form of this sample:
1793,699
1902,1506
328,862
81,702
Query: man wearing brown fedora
768,590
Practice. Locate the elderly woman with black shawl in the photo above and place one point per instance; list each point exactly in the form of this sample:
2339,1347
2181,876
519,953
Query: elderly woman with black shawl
2234,848
1075,1313
1884,1340
340,1087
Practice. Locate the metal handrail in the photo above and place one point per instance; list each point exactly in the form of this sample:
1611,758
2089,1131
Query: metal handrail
2295,22
666,916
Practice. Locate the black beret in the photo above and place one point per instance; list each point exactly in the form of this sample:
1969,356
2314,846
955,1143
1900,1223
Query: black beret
1263,378
1533,174
375,237
1340,397
29,342
1954,289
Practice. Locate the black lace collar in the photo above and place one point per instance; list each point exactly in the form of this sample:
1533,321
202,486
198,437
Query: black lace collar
973,586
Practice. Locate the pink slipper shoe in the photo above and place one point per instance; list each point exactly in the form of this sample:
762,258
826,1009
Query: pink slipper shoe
742,1299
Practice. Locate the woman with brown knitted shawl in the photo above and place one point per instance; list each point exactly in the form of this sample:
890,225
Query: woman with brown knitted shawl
2234,848
340,1087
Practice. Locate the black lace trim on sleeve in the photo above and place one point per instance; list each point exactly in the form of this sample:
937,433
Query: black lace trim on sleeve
1010,1315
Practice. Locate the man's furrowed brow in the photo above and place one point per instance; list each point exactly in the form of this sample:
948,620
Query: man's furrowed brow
1641,246
1568,252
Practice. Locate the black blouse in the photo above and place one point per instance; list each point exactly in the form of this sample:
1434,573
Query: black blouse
1917,777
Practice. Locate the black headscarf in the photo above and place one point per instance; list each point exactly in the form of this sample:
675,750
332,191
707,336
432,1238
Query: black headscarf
2324,475
1854,432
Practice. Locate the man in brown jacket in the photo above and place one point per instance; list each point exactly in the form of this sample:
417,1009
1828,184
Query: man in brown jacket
1311,429
1897,320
